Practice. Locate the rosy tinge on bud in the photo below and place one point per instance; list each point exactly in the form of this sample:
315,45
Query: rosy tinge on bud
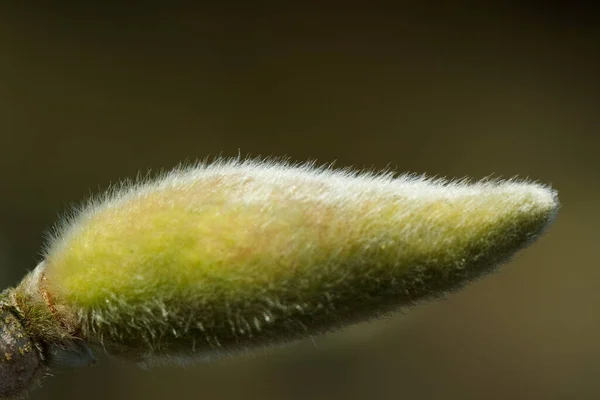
238,254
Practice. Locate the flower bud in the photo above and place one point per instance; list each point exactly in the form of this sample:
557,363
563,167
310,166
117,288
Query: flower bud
219,258
237,255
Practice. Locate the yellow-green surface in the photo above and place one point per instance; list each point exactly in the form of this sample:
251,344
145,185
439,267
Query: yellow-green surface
239,254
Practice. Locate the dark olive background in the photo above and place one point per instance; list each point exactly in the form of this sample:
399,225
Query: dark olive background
92,94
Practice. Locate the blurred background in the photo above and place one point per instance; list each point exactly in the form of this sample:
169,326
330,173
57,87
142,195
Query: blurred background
91,94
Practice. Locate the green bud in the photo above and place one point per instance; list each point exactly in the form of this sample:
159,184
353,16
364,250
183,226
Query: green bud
221,258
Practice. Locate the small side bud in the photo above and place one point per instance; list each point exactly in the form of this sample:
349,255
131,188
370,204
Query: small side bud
20,362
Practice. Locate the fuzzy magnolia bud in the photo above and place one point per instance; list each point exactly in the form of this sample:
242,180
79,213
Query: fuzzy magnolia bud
234,255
